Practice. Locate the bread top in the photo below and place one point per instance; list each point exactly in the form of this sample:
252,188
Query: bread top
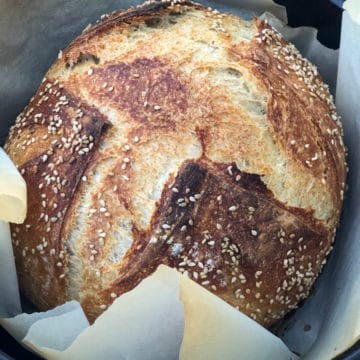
174,134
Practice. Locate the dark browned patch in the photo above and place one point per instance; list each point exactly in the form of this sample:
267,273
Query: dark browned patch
220,226
52,178
146,88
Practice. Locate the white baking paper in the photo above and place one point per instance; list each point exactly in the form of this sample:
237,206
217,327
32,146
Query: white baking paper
57,328
9,304
12,208
353,9
143,324
147,323
12,191
30,37
215,330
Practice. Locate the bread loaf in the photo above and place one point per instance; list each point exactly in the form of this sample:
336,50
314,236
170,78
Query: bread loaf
174,134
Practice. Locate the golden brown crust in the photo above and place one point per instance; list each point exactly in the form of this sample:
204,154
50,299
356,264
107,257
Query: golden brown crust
53,175
222,157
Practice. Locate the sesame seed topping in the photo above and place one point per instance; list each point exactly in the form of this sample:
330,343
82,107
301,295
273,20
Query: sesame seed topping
153,240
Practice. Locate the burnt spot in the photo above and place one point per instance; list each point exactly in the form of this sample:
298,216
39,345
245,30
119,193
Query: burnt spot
146,88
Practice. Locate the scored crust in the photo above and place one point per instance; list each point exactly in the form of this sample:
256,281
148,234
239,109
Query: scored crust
173,134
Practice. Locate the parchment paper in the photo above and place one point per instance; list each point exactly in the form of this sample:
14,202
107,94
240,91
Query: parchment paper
32,33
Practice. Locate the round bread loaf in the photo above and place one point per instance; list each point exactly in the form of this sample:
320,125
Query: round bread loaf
173,134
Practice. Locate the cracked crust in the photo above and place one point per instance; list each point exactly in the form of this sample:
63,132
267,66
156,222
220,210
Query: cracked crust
173,134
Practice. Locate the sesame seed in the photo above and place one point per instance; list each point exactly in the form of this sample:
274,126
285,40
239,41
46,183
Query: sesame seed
253,232
233,208
113,295
153,240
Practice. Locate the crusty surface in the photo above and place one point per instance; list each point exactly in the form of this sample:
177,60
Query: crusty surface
174,134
